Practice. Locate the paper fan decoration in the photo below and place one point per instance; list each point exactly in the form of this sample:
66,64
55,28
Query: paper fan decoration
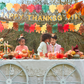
15,26
38,8
49,28
45,8
5,25
43,28
2,5
60,28
31,8
77,27
32,28
23,7
82,11
54,28
9,6
16,7
66,27
26,27
71,27
59,8
81,29
38,28
67,7
52,8
1,27
10,25
21,27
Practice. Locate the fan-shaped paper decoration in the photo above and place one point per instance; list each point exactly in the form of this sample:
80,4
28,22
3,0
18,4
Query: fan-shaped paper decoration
31,8
81,29
59,8
38,28
21,27
10,25
54,28
60,28
2,5
5,25
15,26
9,6
26,27
16,7
1,27
82,11
71,27
45,8
52,8
77,27
38,8
49,28
67,7
23,7
43,28
66,27
32,28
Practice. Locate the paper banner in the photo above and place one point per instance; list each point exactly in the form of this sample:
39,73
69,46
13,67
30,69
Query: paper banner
2,5
31,8
21,27
60,28
82,11
5,25
16,7
1,27
15,26
38,8
81,29
38,28
9,6
23,7
49,28
32,27
43,28
10,25
59,8
54,28
66,27
52,8
77,27
26,27
45,8
67,7
71,27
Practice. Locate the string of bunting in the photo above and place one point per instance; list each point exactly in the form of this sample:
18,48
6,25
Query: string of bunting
45,28
69,9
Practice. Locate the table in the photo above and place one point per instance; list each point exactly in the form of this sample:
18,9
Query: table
70,71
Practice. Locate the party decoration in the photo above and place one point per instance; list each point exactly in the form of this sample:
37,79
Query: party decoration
38,28
15,26
82,11
54,28
81,29
16,7
21,27
77,27
26,27
66,27
9,6
49,28
2,5
38,8
60,28
59,8
10,25
32,28
5,25
59,55
43,28
52,8
31,8
45,8
67,7
1,27
23,7
71,27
